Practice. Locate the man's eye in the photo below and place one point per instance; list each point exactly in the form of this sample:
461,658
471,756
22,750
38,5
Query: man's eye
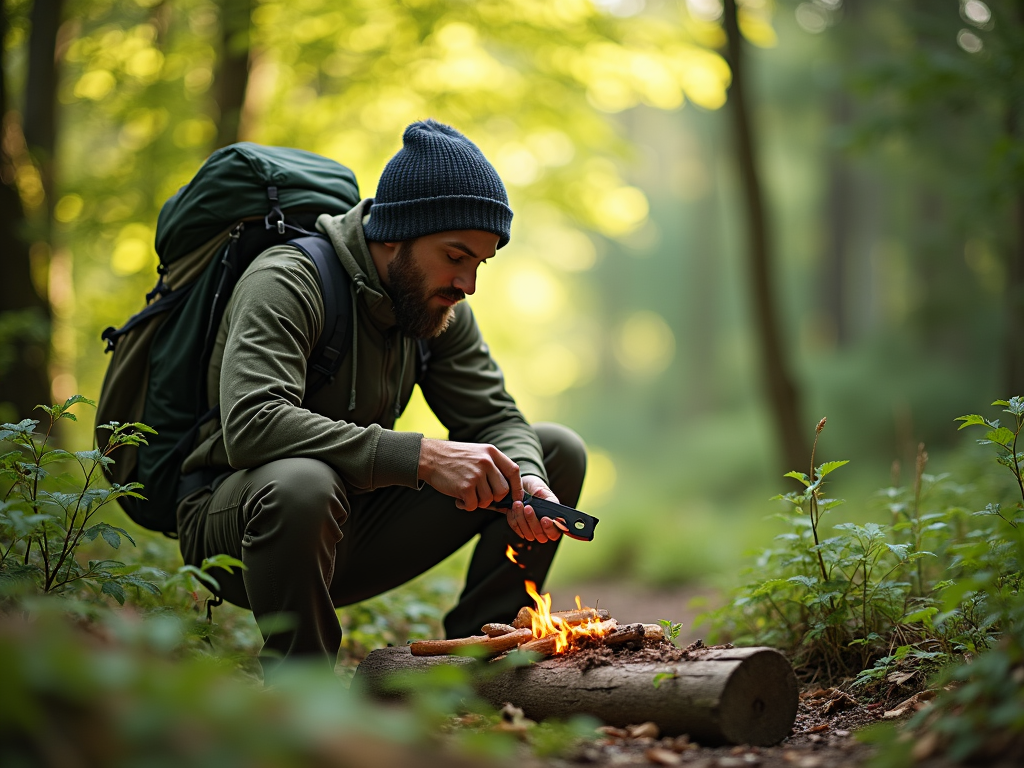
454,259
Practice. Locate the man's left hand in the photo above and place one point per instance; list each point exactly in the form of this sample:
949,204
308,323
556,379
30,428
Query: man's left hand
524,521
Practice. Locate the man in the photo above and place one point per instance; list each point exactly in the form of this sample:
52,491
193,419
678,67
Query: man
328,505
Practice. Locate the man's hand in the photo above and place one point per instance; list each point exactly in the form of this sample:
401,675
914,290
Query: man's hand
475,474
524,521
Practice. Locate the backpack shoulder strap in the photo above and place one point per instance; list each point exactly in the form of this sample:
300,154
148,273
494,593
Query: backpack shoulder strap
334,341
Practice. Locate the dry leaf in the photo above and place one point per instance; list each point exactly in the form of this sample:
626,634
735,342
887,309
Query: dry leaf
899,678
660,756
838,703
644,730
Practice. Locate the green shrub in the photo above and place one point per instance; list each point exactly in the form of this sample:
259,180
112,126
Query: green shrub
885,603
979,713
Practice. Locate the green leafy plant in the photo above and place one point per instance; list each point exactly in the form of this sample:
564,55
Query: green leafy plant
671,629
980,713
662,677
45,518
838,603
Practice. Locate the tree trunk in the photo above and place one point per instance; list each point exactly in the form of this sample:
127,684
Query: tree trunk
736,696
232,68
24,313
1014,363
40,123
840,203
781,389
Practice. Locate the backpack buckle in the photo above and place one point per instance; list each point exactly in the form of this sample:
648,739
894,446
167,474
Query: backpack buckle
276,215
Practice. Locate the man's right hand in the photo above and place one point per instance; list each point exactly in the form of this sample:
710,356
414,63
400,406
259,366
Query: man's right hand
473,473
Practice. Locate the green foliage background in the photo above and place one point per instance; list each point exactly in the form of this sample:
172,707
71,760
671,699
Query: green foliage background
620,307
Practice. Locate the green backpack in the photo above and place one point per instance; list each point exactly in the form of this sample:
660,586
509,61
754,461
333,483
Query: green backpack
244,199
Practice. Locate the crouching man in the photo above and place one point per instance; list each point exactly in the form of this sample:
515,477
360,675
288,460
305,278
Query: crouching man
328,505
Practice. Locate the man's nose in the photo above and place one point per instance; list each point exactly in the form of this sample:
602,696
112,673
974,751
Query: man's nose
466,282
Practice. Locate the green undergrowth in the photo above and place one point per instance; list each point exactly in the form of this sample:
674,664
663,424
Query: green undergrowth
111,650
927,595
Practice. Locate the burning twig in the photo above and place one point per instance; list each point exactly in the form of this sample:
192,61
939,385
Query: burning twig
548,645
571,618
489,646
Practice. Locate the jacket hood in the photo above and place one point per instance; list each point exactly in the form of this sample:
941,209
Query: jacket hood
346,235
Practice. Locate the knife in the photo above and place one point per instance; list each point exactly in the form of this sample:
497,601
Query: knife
580,524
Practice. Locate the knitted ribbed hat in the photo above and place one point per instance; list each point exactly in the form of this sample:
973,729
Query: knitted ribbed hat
438,181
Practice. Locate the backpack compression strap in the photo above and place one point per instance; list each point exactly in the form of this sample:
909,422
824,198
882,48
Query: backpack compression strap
331,347
334,341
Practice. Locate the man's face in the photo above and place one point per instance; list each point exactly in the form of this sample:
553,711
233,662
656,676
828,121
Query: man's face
430,275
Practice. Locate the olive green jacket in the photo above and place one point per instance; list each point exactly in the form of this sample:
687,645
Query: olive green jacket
258,372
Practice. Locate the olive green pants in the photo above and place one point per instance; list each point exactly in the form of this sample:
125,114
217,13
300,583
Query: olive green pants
310,547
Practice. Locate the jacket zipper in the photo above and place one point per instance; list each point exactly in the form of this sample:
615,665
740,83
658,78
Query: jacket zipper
385,379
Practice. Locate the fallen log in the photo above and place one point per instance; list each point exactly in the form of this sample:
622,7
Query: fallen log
731,696
484,645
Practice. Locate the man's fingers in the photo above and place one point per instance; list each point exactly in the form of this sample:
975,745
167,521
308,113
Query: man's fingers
535,527
510,474
497,486
550,528
516,521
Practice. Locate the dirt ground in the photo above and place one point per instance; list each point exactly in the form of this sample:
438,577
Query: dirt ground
822,736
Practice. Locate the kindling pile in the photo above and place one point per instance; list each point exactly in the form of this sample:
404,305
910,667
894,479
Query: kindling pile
541,631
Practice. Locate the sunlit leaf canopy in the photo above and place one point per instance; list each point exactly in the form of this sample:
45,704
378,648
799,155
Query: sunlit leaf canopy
534,83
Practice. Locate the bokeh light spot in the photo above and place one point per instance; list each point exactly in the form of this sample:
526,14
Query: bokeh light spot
68,208
645,344
95,84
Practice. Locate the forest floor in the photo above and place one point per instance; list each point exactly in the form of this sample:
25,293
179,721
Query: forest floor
822,737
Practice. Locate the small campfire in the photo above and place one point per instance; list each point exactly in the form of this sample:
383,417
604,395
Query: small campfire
541,631
620,674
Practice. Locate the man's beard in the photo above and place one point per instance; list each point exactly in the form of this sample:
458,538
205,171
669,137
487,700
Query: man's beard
411,297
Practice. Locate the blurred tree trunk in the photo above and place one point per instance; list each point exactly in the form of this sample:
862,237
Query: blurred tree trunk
1014,330
840,199
781,389
40,121
24,312
232,68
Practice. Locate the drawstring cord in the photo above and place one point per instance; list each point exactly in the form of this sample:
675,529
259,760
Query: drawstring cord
354,287
401,379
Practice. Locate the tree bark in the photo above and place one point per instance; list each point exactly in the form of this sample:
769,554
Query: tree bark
1014,343
40,123
24,313
840,202
781,389
736,696
232,68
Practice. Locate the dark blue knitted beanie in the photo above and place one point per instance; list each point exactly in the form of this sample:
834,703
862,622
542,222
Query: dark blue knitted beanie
438,181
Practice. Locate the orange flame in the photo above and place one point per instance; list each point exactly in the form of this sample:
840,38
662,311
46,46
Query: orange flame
544,623
511,554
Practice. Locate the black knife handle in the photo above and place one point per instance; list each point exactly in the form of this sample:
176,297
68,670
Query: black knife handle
581,525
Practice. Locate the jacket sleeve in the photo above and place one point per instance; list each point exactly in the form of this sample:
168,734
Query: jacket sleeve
275,317
466,391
